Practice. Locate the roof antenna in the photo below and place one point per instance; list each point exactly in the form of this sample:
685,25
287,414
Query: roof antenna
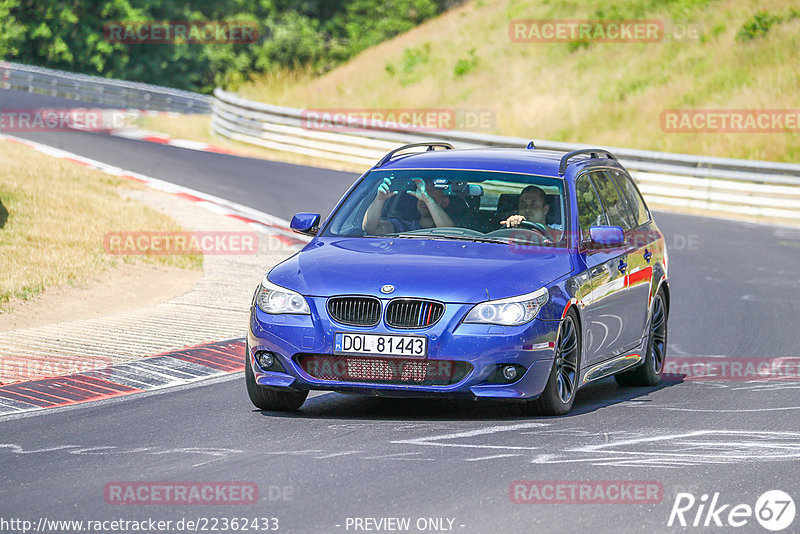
530,146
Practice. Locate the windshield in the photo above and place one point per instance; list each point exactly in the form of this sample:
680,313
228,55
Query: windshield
454,204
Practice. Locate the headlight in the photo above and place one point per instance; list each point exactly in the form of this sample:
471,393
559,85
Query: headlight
276,299
512,311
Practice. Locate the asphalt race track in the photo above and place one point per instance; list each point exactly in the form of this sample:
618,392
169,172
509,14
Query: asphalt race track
735,294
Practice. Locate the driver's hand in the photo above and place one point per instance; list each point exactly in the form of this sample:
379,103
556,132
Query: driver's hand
384,191
513,221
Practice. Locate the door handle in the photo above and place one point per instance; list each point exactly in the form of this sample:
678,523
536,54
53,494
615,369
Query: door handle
622,266
647,255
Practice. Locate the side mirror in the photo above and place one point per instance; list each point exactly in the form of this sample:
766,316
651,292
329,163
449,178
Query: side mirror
305,223
607,236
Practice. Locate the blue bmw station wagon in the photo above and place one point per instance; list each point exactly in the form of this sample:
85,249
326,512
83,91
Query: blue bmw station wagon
508,274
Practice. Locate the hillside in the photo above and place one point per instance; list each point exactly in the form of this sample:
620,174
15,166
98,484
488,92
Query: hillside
198,46
607,93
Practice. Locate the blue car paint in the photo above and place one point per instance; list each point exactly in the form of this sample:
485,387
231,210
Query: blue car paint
457,273
443,270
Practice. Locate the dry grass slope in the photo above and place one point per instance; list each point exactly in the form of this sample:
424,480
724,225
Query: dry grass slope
54,217
601,93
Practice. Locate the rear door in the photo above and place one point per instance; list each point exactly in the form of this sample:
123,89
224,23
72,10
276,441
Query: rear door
642,241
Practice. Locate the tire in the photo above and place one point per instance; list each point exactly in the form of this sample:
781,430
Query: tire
267,398
649,373
562,385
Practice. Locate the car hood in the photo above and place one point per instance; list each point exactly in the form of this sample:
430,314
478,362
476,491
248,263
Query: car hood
449,271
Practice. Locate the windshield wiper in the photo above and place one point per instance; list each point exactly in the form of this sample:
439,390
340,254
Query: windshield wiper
474,238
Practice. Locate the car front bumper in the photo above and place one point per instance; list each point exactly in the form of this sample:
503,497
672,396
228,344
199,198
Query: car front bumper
483,347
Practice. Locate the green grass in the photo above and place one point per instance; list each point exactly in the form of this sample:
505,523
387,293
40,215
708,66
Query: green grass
744,57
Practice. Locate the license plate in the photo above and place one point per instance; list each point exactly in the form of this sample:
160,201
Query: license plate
411,346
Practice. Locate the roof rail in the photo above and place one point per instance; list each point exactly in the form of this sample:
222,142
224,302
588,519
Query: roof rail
562,167
431,146
530,146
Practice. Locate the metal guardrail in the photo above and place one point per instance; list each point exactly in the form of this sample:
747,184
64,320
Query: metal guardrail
742,187
101,91
735,186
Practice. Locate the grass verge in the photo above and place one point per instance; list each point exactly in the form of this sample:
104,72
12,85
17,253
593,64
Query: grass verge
54,216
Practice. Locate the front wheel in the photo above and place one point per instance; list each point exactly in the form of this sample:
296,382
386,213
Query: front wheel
562,385
267,398
649,373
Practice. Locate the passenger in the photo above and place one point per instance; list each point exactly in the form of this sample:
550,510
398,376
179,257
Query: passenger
431,204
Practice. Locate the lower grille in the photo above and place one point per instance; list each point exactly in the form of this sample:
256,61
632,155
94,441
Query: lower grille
383,370
413,313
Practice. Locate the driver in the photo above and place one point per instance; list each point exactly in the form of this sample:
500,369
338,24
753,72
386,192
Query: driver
431,204
533,207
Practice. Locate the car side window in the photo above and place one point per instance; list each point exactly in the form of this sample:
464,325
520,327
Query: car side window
614,205
590,211
633,196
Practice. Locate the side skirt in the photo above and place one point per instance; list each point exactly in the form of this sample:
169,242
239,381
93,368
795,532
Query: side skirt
610,367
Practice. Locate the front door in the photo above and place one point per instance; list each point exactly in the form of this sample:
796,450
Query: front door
606,307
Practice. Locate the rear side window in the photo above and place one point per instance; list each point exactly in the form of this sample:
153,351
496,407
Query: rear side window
614,205
633,196
590,211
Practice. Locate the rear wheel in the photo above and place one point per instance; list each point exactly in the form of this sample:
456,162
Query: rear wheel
267,398
649,373
559,393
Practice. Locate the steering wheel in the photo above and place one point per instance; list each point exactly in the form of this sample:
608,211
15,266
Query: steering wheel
538,228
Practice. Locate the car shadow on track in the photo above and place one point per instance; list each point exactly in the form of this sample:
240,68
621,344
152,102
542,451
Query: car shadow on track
605,393
602,394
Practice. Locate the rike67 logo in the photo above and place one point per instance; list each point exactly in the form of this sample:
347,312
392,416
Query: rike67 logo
774,510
